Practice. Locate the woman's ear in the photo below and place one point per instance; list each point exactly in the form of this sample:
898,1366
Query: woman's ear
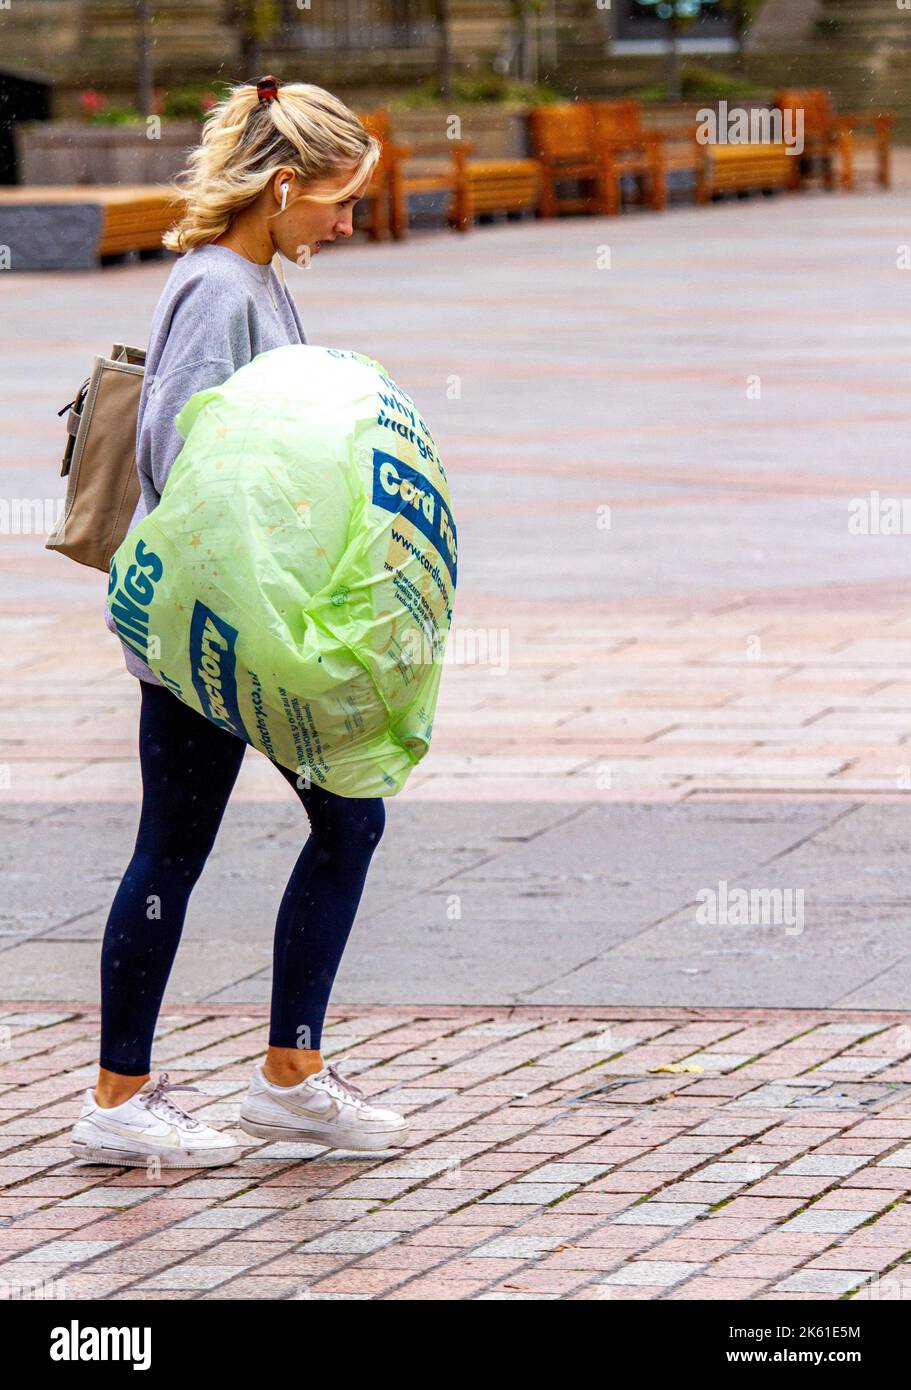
283,181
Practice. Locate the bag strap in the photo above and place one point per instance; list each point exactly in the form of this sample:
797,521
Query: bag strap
73,420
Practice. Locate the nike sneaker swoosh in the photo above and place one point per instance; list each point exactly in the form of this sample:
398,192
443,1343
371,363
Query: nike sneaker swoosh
331,1112
114,1127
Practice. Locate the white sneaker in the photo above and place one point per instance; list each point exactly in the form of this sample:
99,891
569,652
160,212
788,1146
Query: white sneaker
322,1109
150,1126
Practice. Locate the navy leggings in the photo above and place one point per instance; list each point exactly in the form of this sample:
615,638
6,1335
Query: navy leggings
189,767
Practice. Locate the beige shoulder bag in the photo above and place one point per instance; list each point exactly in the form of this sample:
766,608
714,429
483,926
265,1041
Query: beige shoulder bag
99,462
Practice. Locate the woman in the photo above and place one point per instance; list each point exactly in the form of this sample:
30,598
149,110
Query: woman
280,168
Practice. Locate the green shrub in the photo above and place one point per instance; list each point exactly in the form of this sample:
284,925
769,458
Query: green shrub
191,102
481,87
703,84
116,115
188,103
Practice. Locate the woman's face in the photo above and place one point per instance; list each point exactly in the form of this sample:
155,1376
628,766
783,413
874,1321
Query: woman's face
303,227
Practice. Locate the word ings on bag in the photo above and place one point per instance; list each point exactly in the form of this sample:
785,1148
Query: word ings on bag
130,598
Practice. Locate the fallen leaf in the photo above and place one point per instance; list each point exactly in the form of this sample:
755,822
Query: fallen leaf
676,1067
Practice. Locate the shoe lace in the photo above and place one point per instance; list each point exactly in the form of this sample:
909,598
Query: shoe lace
348,1090
159,1102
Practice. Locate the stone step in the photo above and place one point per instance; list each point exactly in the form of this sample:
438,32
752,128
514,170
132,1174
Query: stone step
863,24
855,32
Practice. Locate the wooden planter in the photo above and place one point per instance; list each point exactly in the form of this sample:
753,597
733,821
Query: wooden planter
497,130
72,152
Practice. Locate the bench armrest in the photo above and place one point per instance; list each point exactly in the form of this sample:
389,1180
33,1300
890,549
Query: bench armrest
643,140
676,132
879,121
458,149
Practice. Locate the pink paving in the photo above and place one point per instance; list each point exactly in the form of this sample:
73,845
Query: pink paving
549,1157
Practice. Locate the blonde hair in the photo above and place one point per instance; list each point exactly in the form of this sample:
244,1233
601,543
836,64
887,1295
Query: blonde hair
245,141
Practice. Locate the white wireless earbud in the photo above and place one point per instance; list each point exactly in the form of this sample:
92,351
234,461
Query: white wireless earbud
284,196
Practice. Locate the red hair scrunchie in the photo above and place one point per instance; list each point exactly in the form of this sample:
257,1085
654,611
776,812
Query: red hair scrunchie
267,89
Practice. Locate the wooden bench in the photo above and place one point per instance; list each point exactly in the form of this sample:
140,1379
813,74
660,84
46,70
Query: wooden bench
135,219
599,142
124,218
563,141
680,152
829,136
374,214
629,146
502,185
440,169
623,146
748,168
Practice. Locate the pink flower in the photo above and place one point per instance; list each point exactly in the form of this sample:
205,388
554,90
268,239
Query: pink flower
91,101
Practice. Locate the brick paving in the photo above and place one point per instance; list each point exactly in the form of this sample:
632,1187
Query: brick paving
549,1158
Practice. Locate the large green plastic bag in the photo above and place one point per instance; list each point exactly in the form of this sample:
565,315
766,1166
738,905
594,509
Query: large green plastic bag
295,582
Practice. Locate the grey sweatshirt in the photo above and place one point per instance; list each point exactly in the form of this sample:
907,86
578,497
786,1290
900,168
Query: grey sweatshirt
216,313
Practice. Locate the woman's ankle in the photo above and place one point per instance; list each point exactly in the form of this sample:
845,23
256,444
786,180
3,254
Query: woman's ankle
113,1088
287,1066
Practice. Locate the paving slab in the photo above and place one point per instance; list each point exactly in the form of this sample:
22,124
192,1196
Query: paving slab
446,1211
